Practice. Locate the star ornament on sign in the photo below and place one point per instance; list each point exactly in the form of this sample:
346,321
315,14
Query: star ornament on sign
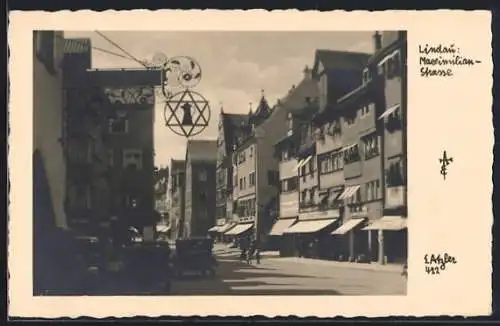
187,113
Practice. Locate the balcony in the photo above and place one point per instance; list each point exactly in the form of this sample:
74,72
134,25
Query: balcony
394,197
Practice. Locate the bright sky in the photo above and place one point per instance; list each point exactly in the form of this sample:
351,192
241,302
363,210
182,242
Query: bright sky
236,67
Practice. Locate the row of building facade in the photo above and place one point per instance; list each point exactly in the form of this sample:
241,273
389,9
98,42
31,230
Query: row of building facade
93,145
322,173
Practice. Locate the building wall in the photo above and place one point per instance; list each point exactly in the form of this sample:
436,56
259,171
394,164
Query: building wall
188,199
176,191
47,126
202,198
394,144
85,147
138,137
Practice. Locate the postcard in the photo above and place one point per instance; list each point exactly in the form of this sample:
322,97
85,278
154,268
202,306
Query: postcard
240,163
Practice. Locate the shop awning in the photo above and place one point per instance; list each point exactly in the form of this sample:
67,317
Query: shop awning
281,225
162,228
214,228
349,146
310,226
388,223
388,111
239,229
306,160
348,226
299,164
348,192
226,227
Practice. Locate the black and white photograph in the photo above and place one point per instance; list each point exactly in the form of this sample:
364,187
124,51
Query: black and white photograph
221,163
213,163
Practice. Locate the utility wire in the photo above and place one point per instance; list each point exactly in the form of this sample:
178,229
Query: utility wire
121,49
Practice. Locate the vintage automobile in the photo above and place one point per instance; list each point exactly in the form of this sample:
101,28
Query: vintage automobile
194,255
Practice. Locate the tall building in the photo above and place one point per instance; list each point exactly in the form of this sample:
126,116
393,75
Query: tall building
176,192
48,130
256,174
49,164
390,66
336,73
128,107
228,131
299,111
201,160
87,194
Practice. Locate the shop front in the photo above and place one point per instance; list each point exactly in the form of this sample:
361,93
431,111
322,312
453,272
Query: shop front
392,238
279,240
242,234
352,241
311,237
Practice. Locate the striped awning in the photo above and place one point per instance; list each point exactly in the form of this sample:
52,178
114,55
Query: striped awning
214,228
76,45
388,223
348,192
348,226
311,226
388,111
163,228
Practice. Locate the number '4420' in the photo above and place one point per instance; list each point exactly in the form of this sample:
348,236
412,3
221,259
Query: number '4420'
432,270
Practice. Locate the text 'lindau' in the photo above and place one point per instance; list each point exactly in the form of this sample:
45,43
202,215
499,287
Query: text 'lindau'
442,60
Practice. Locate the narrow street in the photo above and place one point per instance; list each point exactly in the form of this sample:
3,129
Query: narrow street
281,276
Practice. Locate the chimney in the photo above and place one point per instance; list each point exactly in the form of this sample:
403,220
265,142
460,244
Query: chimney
307,73
377,41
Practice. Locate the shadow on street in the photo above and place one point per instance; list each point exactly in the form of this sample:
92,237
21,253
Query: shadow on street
231,271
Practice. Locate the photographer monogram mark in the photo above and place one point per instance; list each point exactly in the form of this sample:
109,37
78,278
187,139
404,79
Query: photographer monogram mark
436,263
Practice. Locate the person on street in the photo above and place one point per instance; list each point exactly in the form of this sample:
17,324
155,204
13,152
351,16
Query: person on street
257,252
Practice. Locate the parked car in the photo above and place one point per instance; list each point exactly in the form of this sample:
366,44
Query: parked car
194,255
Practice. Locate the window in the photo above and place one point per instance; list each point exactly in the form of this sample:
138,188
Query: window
366,75
355,202
391,67
394,120
350,119
290,122
241,157
202,175
303,196
373,190
244,182
394,174
132,159
290,184
241,183
285,155
251,151
311,166
367,109
118,126
45,45
251,179
351,154
371,146
312,195
111,157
